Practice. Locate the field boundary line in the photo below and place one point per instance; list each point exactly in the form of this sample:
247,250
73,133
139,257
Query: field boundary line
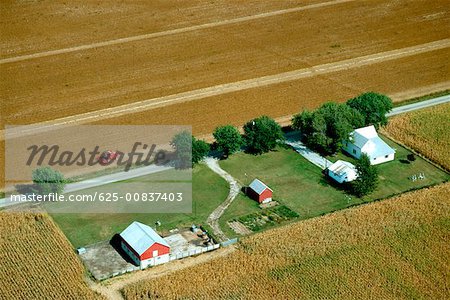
168,32
220,89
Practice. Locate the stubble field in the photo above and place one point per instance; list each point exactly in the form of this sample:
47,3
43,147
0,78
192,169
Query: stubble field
393,249
75,82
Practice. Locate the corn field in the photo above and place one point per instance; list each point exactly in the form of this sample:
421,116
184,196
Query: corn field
37,261
426,131
392,249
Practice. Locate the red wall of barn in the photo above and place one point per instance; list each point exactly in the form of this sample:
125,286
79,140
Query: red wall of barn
264,195
149,252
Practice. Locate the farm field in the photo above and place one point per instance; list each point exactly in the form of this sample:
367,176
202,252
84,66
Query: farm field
426,131
384,250
37,261
91,79
66,24
402,79
301,186
208,191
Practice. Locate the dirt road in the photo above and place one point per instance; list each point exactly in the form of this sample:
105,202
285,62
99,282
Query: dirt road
111,288
235,188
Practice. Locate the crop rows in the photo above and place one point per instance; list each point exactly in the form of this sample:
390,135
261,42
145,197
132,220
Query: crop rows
426,131
384,250
37,262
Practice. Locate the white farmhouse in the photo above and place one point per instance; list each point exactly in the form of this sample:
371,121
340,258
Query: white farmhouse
366,140
342,171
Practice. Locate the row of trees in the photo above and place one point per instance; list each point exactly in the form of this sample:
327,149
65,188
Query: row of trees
260,136
328,127
324,130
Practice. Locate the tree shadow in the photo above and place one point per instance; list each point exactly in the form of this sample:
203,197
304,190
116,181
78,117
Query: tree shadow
404,161
326,180
26,189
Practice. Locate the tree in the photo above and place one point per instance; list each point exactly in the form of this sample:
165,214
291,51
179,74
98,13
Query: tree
182,143
262,135
228,139
373,107
367,180
48,180
327,128
199,150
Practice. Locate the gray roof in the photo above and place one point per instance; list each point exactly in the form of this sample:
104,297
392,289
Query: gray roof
362,135
376,147
258,186
381,148
141,237
342,167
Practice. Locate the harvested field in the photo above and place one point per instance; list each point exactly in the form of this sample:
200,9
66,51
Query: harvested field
37,261
87,80
426,131
386,250
278,100
68,24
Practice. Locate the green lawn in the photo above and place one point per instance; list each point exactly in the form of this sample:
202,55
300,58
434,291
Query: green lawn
208,191
302,187
394,176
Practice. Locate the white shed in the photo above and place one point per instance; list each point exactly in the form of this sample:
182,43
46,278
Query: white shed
342,171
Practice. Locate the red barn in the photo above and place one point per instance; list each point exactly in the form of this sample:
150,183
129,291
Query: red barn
260,192
144,246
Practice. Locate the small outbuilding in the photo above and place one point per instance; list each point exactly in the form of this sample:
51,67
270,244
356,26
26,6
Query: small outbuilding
342,171
144,245
259,191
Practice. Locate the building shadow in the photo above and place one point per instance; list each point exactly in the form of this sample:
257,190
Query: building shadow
115,242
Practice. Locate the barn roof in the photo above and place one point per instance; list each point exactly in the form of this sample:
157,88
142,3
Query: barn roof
258,186
141,237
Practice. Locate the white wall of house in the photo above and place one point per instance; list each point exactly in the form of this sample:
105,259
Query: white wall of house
155,261
382,159
352,150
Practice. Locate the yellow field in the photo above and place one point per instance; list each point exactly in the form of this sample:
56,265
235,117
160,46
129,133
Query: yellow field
426,131
37,261
395,249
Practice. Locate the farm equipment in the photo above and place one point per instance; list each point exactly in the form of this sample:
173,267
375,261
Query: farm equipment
107,157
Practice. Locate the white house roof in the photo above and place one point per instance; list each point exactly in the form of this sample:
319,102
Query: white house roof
367,139
258,186
141,237
341,168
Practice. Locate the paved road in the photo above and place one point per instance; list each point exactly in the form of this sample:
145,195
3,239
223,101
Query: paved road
235,187
320,161
102,180
418,105
292,139
298,146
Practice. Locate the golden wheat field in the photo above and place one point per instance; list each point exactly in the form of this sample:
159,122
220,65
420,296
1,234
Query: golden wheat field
395,249
426,131
37,261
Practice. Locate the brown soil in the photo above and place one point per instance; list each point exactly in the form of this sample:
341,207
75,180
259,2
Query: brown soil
290,97
72,83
